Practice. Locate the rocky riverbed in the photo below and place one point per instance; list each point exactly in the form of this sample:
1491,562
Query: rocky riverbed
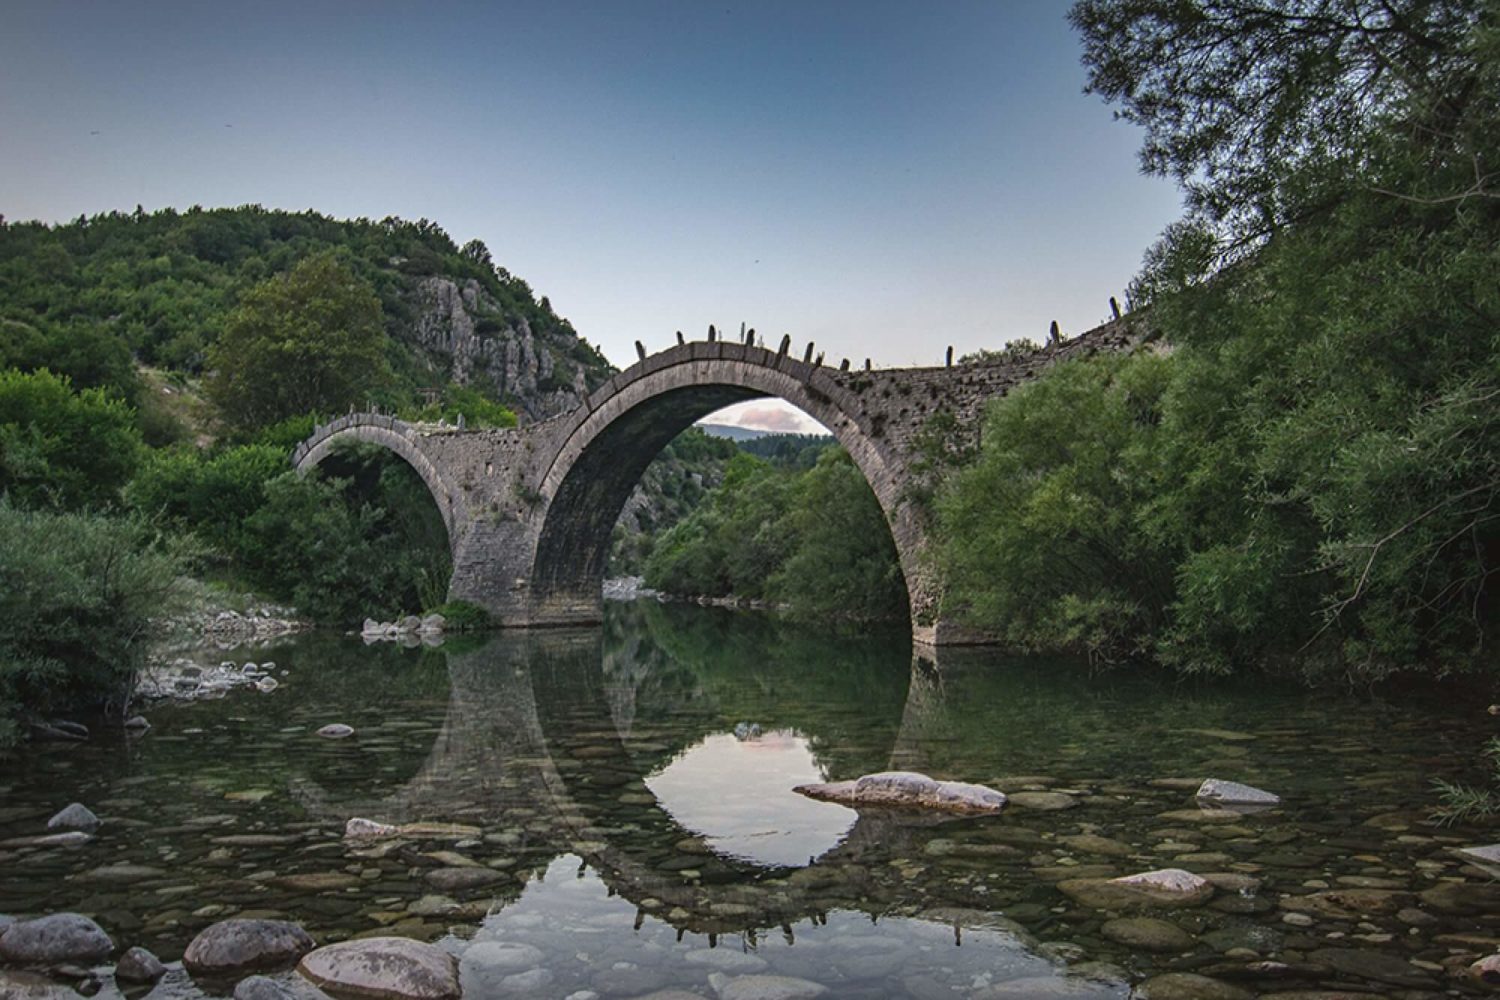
557,819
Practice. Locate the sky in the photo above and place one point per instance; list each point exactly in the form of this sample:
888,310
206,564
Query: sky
885,179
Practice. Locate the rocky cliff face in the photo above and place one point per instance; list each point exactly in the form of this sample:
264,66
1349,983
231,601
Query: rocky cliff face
462,328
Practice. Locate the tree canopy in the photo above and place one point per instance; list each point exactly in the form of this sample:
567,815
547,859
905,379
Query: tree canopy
308,341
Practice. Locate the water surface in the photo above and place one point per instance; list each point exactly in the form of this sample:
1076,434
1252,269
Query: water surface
626,793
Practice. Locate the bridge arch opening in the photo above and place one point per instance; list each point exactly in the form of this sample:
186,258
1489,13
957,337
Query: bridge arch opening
398,511
607,451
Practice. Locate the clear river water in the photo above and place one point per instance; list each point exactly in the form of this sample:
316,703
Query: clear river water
610,813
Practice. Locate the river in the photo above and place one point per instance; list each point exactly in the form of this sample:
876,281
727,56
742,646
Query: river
621,799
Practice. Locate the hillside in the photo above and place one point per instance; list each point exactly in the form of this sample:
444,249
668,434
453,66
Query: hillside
94,297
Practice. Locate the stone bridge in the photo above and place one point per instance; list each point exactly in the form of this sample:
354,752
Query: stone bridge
529,510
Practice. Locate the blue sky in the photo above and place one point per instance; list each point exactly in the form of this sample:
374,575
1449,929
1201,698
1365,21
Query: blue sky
883,178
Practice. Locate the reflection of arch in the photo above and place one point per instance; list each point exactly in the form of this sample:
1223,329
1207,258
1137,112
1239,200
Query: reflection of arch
493,753
605,446
393,435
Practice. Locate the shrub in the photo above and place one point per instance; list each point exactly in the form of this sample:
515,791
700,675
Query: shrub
60,448
76,593
461,616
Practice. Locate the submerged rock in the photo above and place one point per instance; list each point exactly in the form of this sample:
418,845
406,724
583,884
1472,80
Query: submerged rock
75,817
61,937
336,731
764,987
907,789
384,967
18,985
1147,934
1232,793
1188,986
1167,887
245,945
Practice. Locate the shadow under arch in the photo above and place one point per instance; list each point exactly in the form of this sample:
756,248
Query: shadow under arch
607,446
533,724
395,437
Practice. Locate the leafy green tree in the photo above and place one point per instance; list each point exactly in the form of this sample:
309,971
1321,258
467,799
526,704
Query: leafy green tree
77,591
60,448
1264,110
210,495
842,560
307,341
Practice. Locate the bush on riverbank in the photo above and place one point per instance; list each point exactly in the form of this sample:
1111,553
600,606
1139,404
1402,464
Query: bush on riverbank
76,594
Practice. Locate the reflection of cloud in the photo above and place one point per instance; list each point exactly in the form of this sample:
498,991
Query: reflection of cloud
774,415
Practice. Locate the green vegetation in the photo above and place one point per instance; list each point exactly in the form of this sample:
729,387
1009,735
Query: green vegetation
461,616
815,540
1305,475
155,372
60,448
305,341
1465,803
362,539
76,593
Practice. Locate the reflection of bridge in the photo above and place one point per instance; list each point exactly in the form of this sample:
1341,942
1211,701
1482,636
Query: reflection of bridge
506,749
529,510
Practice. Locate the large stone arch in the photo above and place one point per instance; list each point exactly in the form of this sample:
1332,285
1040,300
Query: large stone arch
396,436
604,448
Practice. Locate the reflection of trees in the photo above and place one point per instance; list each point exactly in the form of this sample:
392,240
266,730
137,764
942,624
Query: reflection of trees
844,693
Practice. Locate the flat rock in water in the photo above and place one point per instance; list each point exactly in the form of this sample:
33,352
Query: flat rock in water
1187,986
907,789
1377,965
359,827
246,945
61,937
1045,988
1232,793
504,956
388,968
139,966
1042,801
764,987
336,731
73,838
1486,857
1147,934
458,879
75,817
1165,888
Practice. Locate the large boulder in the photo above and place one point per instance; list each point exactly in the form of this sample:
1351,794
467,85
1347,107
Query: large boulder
61,937
244,945
908,790
383,968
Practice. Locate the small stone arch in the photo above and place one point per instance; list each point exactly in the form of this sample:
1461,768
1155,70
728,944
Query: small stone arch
607,443
393,435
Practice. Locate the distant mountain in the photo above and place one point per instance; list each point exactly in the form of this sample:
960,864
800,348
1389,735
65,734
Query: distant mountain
731,432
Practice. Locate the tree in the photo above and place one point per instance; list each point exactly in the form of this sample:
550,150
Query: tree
1262,108
60,448
306,341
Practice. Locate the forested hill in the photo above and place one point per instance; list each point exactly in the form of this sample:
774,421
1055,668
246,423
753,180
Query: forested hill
94,297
